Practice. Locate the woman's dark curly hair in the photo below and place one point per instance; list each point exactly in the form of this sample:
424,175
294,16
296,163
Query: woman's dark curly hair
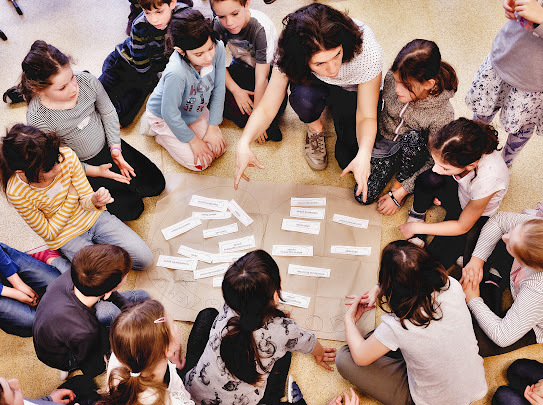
312,29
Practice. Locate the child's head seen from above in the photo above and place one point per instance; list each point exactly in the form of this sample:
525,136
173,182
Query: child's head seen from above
32,152
47,73
316,38
158,12
408,277
232,14
458,146
98,270
419,72
193,37
525,243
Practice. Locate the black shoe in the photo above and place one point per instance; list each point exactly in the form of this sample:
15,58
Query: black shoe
274,133
13,96
269,1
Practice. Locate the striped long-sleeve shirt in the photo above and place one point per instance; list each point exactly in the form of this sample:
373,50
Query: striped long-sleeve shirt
527,310
144,48
85,127
52,212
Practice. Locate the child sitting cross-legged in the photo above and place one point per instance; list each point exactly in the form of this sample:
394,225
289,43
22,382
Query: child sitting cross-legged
70,329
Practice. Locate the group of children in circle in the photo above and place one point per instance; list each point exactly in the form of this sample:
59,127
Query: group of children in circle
64,168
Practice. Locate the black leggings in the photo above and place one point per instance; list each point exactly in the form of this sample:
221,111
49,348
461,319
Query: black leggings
521,373
445,249
198,338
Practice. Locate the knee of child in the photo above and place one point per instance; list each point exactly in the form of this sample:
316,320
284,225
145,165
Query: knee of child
343,358
518,368
145,258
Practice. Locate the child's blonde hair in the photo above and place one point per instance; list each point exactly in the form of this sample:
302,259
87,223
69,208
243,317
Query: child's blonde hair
530,250
139,338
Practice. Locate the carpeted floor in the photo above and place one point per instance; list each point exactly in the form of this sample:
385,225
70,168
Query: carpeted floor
89,30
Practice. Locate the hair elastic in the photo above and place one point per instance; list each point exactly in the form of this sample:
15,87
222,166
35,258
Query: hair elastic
160,320
134,374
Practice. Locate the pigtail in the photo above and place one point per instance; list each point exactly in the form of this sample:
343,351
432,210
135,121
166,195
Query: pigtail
41,63
489,139
124,387
446,79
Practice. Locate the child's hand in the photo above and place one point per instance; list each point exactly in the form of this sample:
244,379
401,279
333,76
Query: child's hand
408,229
103,171
473,272
386,206
361,170
353,400
215,138
124,167
327,354
262,138
471,290
538,388
244,158
62,396
533,397
244,101
509,7
101,197
203,155
359,305
529,9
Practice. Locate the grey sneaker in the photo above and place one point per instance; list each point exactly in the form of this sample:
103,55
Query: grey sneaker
315,150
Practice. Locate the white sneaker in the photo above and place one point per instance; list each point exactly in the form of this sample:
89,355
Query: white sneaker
315,150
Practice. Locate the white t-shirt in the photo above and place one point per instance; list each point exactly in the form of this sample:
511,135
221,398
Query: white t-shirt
490,176
176,389
443,364
363,67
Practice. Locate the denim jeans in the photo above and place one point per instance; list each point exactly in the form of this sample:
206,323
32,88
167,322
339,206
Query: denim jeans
106,311
108,229
16,317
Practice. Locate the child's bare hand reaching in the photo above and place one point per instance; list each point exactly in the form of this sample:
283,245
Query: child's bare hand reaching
529,9
323,355
353,400
101,197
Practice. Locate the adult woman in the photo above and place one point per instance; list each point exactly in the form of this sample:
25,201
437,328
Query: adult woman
327,58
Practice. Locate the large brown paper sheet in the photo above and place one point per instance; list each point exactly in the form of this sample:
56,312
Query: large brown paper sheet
267,204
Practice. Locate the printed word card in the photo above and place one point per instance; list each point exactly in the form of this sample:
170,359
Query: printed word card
350,221
181,227
211,271
195,254
177,263
208,203
292,250
307,213
299,225
235,245
295,300
238,212
222,230
308,271
308,202
351,250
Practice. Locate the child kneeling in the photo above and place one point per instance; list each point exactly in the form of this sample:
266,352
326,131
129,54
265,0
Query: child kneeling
71,326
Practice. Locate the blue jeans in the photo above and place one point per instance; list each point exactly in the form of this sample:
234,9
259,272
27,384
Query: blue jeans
110,230
106,311
16,317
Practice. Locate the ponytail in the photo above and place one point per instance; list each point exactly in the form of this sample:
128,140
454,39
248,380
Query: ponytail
42,62
463,141
420,60
249,289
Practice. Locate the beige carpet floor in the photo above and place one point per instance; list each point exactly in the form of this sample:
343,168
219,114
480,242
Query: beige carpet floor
88,31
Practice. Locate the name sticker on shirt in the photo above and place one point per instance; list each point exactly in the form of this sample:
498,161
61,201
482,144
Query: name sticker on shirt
292,250
84,123
211,271
307,213
308,271
177,263
235,245
214,204
222,230
351,250
295,300
351,221
180,228
299,225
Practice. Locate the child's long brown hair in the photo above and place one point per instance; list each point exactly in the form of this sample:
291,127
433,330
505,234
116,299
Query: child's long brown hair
408,277
139,344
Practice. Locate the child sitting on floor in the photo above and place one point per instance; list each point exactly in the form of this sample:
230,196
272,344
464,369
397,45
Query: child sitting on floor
70,330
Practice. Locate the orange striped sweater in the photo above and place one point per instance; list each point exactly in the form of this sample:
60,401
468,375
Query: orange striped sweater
51,212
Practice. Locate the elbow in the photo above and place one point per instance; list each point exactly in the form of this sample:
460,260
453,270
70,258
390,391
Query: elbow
361,360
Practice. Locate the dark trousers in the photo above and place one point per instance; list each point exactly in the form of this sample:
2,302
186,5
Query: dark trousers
198,338
126,88
244,76
149,181
445,249
521,373
309,101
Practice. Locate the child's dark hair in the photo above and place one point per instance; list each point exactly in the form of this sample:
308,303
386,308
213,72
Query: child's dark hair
29,149
98,269
408,277
420,60
463,141
249,288
42,62
139,344
312,29
152,4
213,2
189,30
